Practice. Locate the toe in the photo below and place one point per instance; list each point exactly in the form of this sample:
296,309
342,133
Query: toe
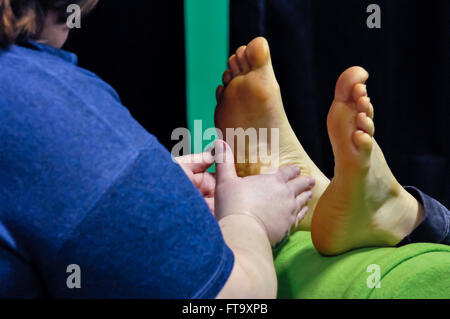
359,90
242,59
365,106
226,78
258,52
371,112
347,81
365,123
219,93
233,65
362,140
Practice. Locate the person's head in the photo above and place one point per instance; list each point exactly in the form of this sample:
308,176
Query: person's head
41,20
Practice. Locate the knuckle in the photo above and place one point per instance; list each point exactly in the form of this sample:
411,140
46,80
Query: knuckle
293,194
279,176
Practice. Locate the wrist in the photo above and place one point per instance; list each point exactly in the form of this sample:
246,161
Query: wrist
250,217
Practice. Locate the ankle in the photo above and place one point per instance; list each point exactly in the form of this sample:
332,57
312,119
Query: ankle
410,215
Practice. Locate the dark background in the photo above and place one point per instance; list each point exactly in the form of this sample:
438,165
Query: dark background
139,49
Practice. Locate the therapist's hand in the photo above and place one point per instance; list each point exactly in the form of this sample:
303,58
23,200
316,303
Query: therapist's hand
277,200
195,166
255,213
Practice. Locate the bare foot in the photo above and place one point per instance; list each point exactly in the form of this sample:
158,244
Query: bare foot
364,205
251,99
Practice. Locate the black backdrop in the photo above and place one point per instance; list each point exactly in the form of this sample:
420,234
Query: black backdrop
138,47
313,41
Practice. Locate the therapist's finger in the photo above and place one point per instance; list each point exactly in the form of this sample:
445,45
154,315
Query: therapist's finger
303,199
288,172
301,215
196,163
301,184
225,169
210,202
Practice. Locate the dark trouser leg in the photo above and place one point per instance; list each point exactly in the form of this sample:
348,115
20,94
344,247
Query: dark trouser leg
435,228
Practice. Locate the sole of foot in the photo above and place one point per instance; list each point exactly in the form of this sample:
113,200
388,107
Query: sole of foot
250,98
364,205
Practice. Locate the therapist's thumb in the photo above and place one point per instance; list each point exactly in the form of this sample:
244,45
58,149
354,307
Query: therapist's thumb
224,161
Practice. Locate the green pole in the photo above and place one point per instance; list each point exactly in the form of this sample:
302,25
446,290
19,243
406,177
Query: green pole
207,45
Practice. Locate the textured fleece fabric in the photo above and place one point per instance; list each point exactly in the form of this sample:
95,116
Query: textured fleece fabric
82,183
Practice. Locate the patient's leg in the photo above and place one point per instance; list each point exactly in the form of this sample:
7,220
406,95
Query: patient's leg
364,205
251,99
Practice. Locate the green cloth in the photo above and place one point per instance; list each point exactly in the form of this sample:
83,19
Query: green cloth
411,271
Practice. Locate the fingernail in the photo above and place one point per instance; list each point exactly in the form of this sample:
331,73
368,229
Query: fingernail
213,151
224,146
218,154
302,214
298,170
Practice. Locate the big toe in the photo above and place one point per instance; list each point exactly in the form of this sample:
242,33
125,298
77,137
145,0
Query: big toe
258,52
347,81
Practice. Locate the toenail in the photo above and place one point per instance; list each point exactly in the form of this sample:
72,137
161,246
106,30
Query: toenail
311,182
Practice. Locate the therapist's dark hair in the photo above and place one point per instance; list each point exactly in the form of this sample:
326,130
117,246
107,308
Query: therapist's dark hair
25,18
